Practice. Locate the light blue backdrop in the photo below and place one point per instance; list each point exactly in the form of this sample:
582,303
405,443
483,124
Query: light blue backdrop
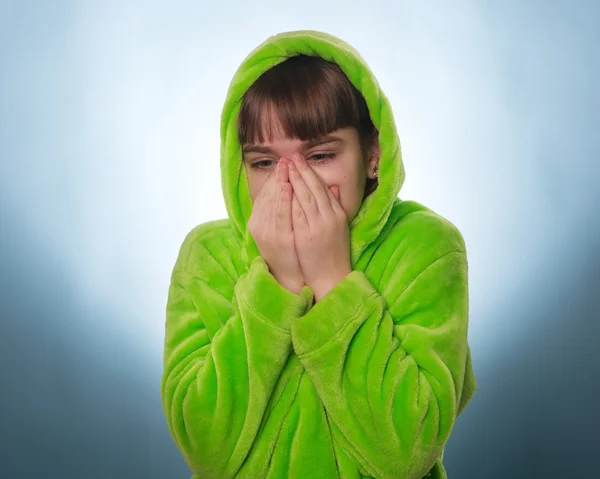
109,148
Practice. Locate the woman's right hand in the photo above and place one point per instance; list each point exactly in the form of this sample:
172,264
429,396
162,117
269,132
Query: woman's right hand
271,227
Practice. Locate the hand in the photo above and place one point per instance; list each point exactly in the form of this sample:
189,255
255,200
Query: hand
271,227
321,231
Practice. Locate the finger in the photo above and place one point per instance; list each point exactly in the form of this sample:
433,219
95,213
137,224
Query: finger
278,172
258,210
271,198
305,197
265,189
284,169
284,208
298,215
285,178
314,183
335,190
334,195
267,200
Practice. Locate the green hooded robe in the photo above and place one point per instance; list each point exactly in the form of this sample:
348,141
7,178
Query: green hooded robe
260,383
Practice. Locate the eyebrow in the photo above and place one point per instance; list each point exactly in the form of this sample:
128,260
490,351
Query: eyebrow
250,148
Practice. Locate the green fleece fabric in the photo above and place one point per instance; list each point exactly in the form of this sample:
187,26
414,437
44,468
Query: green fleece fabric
368,382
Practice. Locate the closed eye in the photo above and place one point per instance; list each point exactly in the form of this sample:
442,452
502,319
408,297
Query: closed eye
317,157
324,157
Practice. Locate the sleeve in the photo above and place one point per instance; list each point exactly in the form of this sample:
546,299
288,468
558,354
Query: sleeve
390,370
214,391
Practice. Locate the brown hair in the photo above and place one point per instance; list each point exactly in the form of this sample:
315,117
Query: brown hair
311,97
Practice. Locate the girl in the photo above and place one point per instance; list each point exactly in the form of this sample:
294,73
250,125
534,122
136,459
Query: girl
321,330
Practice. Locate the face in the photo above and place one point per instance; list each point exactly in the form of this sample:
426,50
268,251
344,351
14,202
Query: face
336,159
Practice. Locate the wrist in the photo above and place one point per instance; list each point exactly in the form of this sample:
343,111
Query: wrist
291,285
322,286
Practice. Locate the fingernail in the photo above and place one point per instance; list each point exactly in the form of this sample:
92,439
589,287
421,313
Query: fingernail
292,166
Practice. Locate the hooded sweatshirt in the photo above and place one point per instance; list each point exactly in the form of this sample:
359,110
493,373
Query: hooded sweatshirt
368,382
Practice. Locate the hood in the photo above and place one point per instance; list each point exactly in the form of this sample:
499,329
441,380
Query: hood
376,208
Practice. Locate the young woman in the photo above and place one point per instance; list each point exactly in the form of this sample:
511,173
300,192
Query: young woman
321,330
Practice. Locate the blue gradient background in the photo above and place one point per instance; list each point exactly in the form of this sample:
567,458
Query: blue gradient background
109,148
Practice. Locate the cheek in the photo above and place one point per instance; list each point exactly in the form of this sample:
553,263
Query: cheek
256,178
349,180
255,183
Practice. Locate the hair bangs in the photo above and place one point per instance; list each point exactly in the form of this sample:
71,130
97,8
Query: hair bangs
303,97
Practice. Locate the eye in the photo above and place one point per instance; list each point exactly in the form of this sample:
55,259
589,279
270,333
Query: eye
317,157
257,164
322,157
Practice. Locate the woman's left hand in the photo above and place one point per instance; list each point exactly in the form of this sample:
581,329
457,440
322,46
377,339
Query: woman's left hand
320,227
